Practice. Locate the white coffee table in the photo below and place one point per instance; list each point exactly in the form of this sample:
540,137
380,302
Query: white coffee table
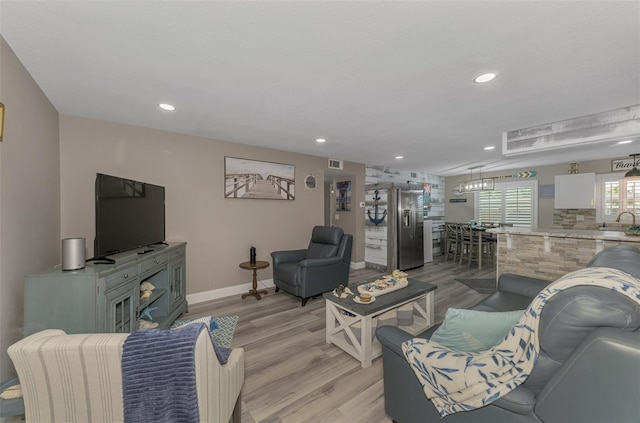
343,313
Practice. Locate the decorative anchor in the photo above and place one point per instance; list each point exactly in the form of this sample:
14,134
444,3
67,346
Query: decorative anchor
376,220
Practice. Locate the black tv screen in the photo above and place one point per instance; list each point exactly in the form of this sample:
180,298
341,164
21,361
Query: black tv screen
129,214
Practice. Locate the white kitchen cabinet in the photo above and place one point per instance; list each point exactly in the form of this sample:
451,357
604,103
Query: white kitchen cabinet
576,191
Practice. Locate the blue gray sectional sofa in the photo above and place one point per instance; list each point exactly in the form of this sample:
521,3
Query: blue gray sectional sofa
588,369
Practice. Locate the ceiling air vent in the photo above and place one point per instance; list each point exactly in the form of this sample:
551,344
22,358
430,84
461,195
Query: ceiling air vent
335,164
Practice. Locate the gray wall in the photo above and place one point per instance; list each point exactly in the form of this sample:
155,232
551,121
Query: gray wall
29,193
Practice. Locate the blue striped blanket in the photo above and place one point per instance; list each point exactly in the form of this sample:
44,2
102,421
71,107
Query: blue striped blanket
158,375
461,381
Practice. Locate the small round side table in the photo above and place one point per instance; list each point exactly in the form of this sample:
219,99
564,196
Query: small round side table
255,266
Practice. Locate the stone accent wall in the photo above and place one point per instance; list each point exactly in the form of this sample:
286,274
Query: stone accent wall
568,219
527,256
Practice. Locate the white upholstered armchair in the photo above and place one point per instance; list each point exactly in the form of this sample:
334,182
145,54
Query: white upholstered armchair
78,378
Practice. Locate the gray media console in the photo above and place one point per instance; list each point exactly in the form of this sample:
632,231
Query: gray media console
106,297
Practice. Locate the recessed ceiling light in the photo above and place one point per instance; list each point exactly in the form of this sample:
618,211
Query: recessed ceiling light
398,157
321,140
485,77
491,147
625,142
165,106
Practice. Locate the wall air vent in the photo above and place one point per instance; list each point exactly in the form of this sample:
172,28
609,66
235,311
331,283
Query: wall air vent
414,175
335,164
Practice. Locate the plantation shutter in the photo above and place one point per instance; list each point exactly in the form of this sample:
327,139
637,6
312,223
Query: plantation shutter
611,198
615,195
489,206
633,197
511,202
518,207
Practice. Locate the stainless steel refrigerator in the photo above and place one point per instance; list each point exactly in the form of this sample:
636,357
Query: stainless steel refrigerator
410,226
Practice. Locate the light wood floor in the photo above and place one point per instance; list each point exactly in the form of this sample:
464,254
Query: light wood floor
292,375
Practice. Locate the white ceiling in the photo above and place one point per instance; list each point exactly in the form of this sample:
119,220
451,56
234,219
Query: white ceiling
376,79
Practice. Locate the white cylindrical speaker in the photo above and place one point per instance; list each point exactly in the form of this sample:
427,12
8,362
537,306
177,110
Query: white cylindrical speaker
73,253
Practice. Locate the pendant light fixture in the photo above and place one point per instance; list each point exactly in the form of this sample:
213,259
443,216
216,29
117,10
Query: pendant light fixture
479,184
634,172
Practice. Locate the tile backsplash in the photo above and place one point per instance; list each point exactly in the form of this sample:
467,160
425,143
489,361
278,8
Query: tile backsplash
575,219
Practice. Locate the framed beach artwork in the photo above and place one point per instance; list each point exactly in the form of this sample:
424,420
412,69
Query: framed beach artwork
343,196
255,179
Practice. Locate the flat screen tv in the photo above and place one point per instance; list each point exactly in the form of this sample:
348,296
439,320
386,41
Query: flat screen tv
129,214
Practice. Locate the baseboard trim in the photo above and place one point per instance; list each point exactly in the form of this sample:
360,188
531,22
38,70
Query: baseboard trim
215,294
357,265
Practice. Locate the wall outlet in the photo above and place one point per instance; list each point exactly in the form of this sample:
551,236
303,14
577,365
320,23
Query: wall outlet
337,216
579,217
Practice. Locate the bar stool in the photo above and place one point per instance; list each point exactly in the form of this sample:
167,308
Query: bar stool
468,245
489,243
452,241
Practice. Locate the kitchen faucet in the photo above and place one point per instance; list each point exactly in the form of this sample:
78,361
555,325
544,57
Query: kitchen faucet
632,215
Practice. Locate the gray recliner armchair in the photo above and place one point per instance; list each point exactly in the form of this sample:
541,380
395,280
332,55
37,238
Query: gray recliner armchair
323,266
587,370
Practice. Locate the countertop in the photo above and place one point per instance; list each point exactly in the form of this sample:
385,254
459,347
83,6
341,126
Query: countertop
568,233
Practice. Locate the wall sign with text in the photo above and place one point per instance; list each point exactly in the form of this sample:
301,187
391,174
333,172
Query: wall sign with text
624,164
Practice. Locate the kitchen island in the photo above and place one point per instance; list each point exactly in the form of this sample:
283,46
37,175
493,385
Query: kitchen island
551,253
